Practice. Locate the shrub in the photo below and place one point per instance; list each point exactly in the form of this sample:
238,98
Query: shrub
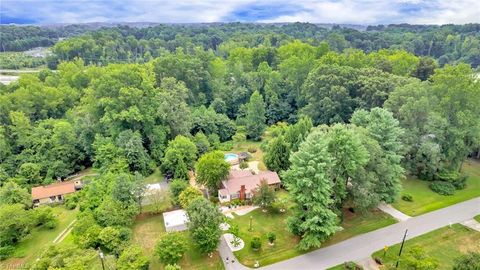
6,252
45,216
469,261
352,266
256,243
172,267
225,146
443,188
461,182
407,197
243,165
271,237
252,149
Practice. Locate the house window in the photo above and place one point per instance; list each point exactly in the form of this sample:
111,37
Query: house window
234,196
59,197
52,198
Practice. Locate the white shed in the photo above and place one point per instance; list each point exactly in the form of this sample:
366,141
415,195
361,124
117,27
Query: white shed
175,220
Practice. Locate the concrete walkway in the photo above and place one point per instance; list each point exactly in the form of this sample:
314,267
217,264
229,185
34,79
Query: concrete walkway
64,233
387,208
360,247
229,260
472,224
368,264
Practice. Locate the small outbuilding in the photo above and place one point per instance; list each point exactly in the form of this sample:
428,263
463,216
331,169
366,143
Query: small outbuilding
175,221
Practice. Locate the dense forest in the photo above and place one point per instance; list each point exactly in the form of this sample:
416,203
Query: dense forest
360,110
447,43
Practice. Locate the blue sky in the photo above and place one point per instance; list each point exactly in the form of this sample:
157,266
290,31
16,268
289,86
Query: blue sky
315,11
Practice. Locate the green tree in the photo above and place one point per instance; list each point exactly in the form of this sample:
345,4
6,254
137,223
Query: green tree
202,143
348,155
255,116
12,193
278,154
132,259
179,157
211,169
15,224
264,196
187,196
177,186
204,225
385,129
311,189
170,248
113,239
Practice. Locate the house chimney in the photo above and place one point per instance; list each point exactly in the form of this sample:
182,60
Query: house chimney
242,192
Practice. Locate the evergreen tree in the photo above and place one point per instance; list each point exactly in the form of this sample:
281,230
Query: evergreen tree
255,116
276,158
385,129
311,188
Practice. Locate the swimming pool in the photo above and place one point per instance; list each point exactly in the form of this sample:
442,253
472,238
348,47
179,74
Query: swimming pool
231,157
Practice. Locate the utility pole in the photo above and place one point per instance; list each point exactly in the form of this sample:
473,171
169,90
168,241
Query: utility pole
401,248
102,257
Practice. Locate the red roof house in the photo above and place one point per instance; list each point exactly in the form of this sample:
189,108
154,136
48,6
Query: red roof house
241,184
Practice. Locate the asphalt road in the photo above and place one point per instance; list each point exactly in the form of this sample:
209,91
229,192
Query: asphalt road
364,245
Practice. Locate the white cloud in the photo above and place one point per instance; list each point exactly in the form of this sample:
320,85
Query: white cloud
315,11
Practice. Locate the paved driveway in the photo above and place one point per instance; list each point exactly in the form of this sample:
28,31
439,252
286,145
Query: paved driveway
364,245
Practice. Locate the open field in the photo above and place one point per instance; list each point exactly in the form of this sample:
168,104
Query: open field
425,200
39,239
149,228
443,245
284,248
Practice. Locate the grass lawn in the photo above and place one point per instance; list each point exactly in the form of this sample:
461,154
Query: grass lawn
444,245
149,228
477,218
425,200
284,247
155,177
257,156
39,239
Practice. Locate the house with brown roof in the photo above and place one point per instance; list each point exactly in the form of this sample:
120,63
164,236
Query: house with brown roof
54,193
241,184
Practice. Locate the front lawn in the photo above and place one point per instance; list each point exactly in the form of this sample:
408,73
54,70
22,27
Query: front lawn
477,218
443,245
149,228
39,239
425,200
284,248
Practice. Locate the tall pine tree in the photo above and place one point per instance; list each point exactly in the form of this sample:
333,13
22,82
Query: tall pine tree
310,186
255,117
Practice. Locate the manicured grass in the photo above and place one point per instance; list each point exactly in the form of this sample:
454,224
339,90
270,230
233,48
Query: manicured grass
444,245
284,247
425,200
149,228
477,218
356,224
39,239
